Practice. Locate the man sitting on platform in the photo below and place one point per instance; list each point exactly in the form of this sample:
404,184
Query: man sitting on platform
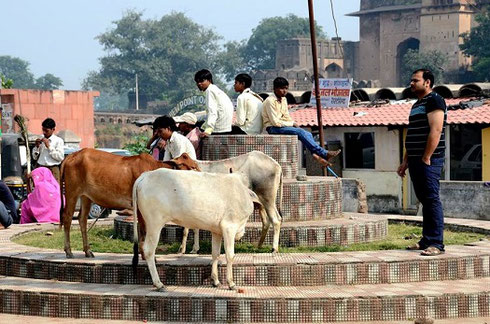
276,120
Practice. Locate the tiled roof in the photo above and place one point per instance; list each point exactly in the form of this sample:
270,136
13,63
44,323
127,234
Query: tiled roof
385,115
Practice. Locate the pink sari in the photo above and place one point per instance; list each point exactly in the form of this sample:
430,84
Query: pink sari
43,203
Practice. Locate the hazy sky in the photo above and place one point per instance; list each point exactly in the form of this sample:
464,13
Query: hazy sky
58,36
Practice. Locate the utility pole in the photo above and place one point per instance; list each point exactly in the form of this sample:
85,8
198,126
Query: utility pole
315,73
136,93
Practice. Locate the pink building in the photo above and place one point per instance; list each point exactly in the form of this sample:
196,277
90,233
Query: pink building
72,110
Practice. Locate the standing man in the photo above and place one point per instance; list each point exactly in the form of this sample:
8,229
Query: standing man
248,108
49,151
276,119
219,107
177,144
424,156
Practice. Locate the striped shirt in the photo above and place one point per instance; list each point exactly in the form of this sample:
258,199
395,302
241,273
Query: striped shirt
418,126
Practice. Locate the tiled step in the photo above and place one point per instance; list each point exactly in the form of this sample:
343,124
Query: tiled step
441,299
349,229
282,148
283,269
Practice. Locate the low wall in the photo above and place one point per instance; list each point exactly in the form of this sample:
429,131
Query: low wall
353,196
466,199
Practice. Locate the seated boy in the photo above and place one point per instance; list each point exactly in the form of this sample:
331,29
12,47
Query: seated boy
248,108
276,120
219,107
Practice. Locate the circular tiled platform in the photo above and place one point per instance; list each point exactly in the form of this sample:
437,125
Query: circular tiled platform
316,287
282,148
349,229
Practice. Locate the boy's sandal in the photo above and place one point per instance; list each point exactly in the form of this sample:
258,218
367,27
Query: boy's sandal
413,247
431,251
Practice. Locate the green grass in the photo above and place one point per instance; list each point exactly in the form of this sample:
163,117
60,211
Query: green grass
101,240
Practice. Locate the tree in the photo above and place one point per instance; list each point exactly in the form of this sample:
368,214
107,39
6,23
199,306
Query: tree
477,43
48,82
432,60
165,54
5,83
18,70
260,50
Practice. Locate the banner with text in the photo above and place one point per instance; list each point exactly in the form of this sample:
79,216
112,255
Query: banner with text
333,93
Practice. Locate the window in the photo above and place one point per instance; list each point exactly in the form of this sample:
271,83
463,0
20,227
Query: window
359,150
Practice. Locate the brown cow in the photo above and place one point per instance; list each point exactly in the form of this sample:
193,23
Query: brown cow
105,179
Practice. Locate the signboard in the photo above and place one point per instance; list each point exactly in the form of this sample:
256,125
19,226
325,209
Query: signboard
190,101
333,93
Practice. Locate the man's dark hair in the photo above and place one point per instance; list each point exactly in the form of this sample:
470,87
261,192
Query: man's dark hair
427,75
244,78
48,123
280,82
165,122
203,75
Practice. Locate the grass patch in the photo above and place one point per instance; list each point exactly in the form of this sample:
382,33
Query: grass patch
101,240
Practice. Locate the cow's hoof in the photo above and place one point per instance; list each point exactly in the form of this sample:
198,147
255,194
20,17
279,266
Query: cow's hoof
89,254
161,288
216,284
181,251
274,251
69,255
194,251
232,287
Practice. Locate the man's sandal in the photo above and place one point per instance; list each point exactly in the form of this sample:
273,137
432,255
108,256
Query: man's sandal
431,251
414,247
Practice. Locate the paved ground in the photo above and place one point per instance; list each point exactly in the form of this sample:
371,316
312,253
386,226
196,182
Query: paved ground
19,319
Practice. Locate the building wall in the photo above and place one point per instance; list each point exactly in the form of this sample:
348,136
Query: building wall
437,24
72,110
485,141
383,185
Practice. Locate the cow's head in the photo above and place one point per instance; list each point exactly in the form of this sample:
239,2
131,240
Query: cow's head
184,162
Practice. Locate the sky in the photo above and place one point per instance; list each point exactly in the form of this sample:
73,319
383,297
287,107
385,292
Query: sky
58,36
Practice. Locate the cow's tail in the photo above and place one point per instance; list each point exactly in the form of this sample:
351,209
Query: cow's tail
135,226
62,181
280,195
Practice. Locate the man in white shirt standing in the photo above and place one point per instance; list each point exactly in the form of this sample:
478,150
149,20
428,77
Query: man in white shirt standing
49,152
177,144
249,106
219,107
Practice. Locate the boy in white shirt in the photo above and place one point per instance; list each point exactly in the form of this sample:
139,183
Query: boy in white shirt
49,151
177,144
248,108
219,107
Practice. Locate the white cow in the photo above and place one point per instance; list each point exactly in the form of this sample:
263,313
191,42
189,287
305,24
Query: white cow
219,203
264,176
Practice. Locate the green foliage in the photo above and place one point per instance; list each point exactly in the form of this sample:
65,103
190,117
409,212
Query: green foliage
103,239
165,54
477,43
5,83
138,145
18,70
48,82
18,74
432,60
260,50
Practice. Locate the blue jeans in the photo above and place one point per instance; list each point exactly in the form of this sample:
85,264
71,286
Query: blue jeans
425,179
305,137
5,219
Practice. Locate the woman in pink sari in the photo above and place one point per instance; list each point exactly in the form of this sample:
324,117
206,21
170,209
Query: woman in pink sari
43,203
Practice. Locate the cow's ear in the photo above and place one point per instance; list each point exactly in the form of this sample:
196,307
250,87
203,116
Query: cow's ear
174,165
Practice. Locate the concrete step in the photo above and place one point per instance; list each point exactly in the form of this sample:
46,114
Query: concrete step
349,229
438,300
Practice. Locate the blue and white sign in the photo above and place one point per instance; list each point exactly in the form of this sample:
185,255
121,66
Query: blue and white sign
333,93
